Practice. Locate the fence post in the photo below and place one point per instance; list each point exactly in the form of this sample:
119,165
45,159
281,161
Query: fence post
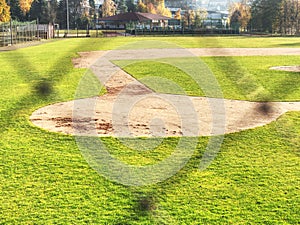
10,30
3,37
37,29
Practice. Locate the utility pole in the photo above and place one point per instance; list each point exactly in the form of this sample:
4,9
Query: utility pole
68,22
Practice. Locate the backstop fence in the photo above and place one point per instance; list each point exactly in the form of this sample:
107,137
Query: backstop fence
20,32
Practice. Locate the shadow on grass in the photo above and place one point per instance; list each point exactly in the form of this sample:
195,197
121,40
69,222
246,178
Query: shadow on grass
294,44
146,199
42,87
153,194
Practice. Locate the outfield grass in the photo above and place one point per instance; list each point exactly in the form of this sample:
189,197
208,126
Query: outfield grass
242,78
191,42
184,42
44,178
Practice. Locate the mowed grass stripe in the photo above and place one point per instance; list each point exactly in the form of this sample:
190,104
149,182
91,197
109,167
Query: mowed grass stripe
242,78
44,178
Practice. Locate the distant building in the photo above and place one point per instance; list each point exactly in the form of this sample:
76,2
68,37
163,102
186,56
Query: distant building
134,20
217,10
209,5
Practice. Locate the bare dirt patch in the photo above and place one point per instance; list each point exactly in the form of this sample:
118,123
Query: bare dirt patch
88,58
153,114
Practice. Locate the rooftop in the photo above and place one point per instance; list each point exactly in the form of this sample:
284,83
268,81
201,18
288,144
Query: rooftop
134,16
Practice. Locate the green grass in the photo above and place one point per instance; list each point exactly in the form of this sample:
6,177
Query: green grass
44,179
191,42
184,42
243,78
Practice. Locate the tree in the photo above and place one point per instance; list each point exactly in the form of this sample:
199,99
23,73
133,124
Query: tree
188,18
154,7
122,7
235,18
178,14
4,11
240,14
162,10
92,11
86,14
15,11
151,8
45,11
131,7
25,5
81,13
141,7
108,8
75,12
200,16
39,9
61,14
264,15
287,21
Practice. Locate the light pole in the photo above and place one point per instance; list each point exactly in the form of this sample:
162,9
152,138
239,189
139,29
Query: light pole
68,22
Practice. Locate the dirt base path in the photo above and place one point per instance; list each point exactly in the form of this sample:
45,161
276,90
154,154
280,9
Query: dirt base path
131,109
88,58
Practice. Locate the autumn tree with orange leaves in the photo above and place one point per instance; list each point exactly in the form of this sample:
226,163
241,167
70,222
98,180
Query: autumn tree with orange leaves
5,8
4,11
154,7
25,5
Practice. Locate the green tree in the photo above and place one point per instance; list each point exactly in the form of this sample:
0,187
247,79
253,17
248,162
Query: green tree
45,11
235,18
122,7
92,11
264,15
131,7
15,11
61,14
80,13
40,10
288,17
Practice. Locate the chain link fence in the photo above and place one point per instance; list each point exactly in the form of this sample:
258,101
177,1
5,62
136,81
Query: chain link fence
14,32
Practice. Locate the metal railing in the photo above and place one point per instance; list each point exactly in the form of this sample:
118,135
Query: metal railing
14,32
